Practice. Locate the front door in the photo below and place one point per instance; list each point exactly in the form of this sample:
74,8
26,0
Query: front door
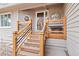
40,17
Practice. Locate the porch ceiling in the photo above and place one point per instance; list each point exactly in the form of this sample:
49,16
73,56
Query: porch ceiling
3,5
20,6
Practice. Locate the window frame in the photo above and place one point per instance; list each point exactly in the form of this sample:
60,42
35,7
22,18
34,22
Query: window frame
6,14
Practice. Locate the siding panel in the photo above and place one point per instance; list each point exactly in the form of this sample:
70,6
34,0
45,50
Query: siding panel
72,13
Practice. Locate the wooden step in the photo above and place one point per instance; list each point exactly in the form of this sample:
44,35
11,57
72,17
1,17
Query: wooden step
33,44
23,53
56,36
33,40
33,35
36,33
30,49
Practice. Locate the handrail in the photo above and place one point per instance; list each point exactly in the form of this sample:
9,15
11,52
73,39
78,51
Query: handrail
44,33
42,40
60,20
63,21
65,28
19,22
20,36
42,43
20,31
56,31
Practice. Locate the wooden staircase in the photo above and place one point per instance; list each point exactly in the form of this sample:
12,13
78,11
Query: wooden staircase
28,43
31,47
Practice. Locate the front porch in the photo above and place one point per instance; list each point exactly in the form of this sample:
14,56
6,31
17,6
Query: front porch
39,30
34,42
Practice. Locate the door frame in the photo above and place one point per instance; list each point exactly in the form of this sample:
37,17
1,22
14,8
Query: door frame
44,16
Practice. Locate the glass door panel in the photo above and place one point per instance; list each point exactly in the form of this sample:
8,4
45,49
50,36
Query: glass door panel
40,20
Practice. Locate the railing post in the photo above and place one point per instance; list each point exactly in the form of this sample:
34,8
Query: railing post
47,28
41,44
65,28
31,26
14,43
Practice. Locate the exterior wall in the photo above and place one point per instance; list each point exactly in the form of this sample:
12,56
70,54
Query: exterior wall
30,13
57,8
6,34
72,13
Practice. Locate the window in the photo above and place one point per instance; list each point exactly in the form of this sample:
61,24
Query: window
5,20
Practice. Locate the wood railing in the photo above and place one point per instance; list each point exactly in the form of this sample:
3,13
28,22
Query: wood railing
65,28
20,36
53,34
45,33
42,40
42,43
42,35
20,22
